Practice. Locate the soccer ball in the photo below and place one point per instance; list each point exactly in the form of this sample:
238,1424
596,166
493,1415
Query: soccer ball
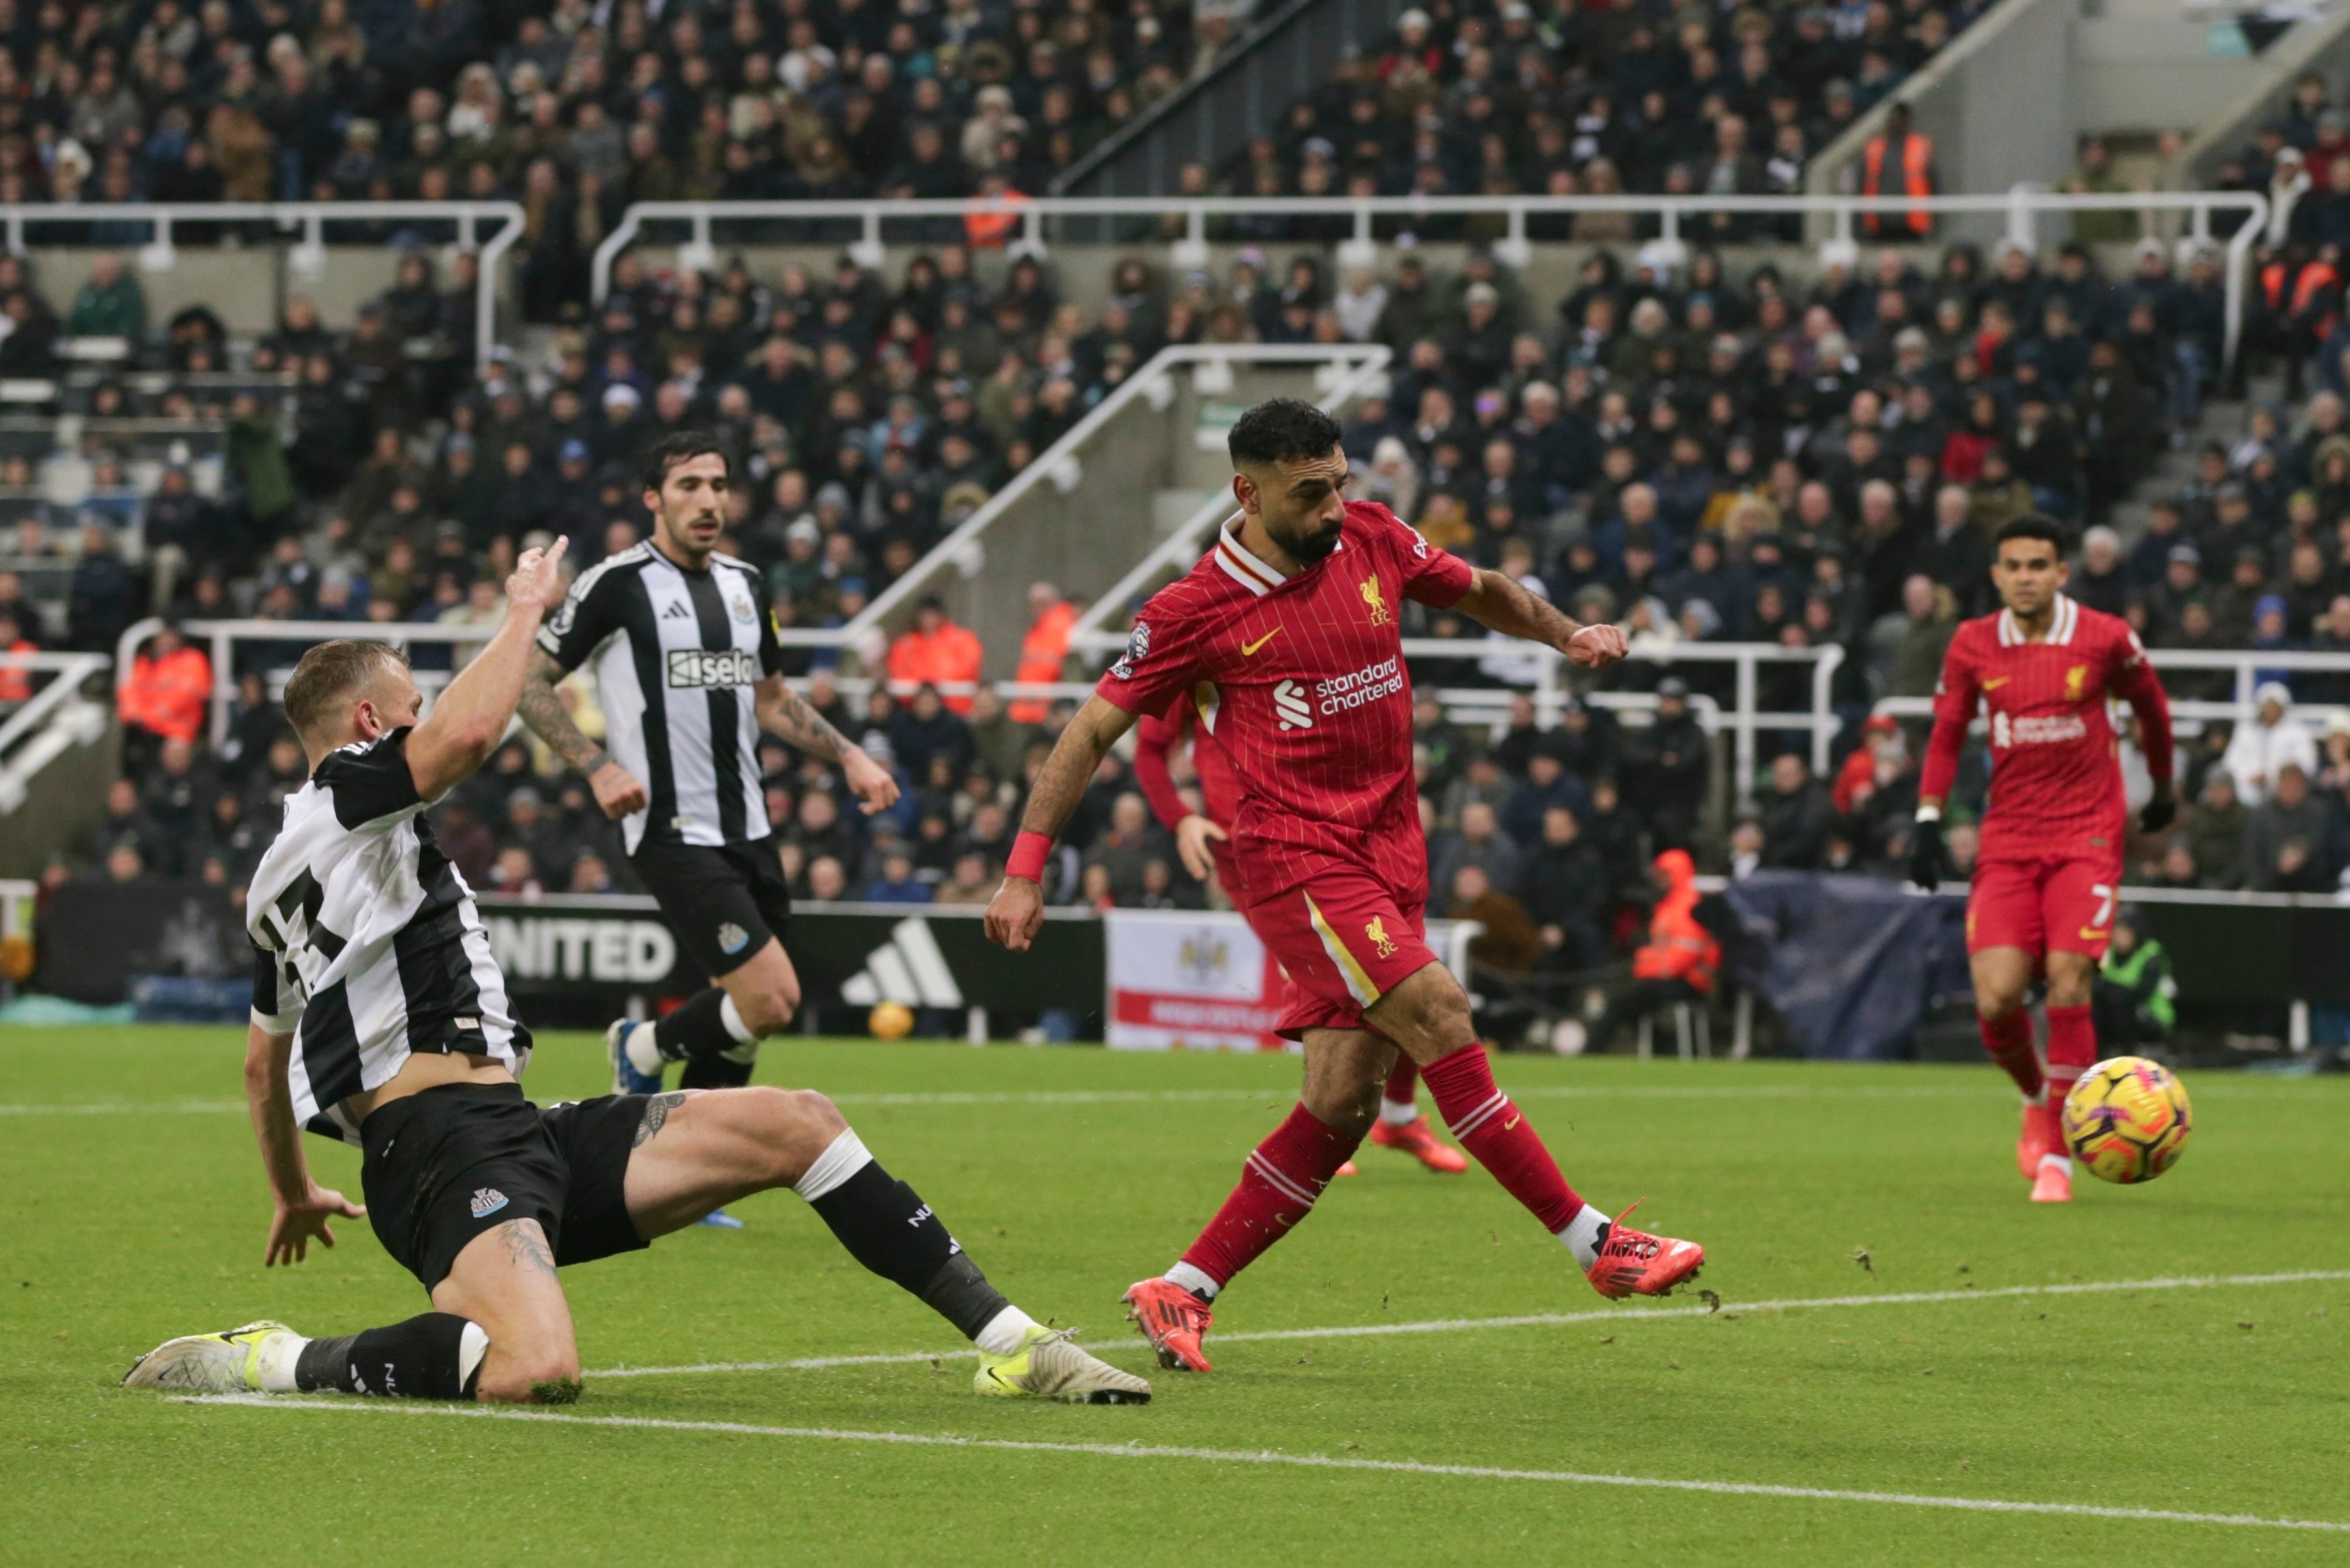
2127,1119
890,1020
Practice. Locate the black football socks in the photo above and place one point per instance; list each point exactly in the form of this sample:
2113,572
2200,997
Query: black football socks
434,1356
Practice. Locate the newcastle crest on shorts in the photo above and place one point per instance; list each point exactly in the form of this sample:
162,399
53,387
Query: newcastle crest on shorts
487,1201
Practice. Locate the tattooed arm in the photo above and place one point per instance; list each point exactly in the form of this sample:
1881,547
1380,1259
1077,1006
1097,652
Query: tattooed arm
784,713
618,791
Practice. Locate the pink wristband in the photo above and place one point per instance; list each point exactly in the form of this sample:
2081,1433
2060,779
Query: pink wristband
1028,854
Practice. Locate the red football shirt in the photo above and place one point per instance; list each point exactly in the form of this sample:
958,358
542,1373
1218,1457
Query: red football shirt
1301,682
1155,739
2056,780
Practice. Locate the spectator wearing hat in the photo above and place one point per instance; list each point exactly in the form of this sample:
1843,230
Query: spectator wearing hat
2262,747
1669,765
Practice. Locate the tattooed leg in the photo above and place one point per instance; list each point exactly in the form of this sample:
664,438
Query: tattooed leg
504,1281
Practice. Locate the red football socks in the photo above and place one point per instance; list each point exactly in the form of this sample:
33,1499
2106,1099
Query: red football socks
2072,1050
1282,1177
2008,1038
1497,1133
1402,1090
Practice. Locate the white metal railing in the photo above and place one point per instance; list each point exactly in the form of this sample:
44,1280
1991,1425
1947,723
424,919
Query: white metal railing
48,721
309,257
1355,364
2019,207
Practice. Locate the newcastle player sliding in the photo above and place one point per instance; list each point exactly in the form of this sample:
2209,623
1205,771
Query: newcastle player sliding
380,1017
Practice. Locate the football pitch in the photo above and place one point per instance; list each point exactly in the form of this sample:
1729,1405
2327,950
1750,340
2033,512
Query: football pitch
1908,1363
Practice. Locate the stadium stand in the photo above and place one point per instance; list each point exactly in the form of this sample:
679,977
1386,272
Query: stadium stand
1702,456
1500,99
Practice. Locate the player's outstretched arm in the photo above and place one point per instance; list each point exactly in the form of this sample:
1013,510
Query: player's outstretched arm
471,717
784,711
1018,908
303,1206
1501,603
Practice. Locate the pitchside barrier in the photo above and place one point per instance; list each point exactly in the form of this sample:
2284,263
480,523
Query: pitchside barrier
1849,965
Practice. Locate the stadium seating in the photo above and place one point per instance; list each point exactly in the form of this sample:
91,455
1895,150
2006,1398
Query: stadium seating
1498,99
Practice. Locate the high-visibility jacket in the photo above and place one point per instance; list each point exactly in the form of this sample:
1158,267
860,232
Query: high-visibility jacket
168,695
988,231
1042,652
952,654
2145,975
1677,947
1915,176
16,680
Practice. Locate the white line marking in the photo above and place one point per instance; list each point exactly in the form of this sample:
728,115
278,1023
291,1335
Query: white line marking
1544,1320
120,1107
1269,1456
1271,1094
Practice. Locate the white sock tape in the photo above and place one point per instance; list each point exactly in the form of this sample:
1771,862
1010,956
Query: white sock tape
842,1158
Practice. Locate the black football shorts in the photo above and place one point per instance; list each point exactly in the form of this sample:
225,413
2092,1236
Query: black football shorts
441,1167
723,901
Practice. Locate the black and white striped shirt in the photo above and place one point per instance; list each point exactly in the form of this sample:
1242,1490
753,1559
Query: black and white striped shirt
368,949
676,656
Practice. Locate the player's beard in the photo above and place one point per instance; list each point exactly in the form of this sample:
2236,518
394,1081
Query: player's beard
1307,546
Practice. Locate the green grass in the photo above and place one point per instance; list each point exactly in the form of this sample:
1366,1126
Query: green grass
124,1227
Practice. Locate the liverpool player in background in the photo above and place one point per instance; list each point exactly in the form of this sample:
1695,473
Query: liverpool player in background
1204,847
1284,638
2049,867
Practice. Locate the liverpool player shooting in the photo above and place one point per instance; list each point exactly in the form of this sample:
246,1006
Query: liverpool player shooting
1284,637
1204,845
2050,865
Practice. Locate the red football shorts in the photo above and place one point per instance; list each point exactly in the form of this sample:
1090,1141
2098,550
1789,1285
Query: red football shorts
1346,942
2057,902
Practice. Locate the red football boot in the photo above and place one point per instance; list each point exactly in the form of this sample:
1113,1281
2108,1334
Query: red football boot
1633,1263
2053,1183
1419,1140
1174,1320
2043,1135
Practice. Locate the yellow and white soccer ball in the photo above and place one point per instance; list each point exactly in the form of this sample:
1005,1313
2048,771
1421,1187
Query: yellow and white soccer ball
890,1020
2127,1119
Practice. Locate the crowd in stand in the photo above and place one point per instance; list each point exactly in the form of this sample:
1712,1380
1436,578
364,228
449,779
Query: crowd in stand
1698,457
572,109
1500,99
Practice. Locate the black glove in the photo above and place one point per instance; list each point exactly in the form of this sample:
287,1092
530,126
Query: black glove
2156,814
1926,858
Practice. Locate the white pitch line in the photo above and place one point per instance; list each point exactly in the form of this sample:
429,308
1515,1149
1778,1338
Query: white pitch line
1546,1320
1271,1094
1274,1093
1271,1457
120,1108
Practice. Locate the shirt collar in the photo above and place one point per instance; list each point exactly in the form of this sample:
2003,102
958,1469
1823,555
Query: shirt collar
1244,566
2060,629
